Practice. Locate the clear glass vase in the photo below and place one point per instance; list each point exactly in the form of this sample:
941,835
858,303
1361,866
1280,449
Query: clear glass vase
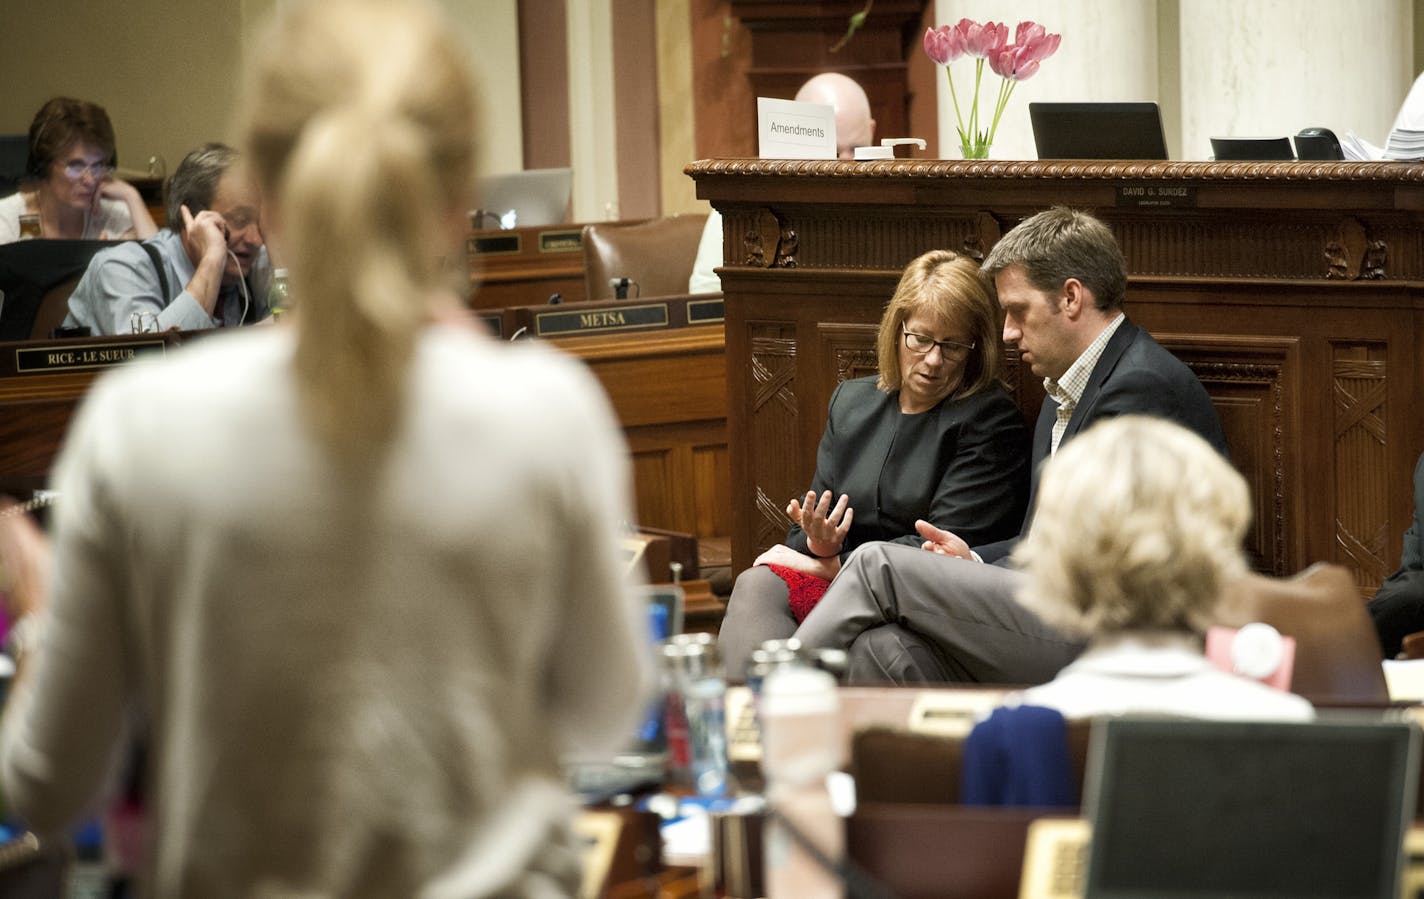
974,151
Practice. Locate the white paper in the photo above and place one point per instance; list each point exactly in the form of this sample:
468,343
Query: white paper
787,129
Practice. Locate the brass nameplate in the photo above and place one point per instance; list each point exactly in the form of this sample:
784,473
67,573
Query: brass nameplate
79,357
1182,196
704,312
623,318
561,241
494,245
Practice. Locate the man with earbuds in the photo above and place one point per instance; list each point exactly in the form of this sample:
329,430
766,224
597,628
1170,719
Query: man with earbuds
207,269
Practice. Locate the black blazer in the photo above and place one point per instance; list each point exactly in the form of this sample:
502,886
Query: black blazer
1398,605
1134,376
963,465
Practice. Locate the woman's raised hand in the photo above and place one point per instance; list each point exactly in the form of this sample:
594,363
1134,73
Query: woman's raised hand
825,527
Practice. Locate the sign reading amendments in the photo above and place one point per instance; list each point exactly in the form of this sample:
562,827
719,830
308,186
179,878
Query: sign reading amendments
622,318
79,357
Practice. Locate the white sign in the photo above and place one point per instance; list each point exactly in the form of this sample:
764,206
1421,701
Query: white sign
790,130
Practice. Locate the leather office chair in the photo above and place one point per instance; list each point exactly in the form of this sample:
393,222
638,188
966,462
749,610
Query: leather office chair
656,255
1337,655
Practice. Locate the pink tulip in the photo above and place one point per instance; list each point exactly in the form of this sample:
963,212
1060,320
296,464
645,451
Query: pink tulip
1034,41
943,44
1014,63
981,40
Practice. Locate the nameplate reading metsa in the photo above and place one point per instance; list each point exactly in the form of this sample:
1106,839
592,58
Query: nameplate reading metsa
704,312
50,359
623,318
1182,196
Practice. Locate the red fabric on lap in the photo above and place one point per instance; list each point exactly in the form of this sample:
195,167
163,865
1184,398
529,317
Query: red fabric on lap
806,589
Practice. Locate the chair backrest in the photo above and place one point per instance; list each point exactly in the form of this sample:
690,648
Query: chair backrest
657,255
33,273
53,308
1337,654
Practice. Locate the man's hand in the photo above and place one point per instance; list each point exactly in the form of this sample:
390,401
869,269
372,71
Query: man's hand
941,541
825,527
205,242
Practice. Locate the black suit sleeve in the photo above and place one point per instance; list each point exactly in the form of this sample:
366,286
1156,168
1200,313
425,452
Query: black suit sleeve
1398,606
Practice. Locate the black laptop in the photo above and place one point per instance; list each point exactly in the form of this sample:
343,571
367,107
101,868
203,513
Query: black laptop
1097,130
1249,810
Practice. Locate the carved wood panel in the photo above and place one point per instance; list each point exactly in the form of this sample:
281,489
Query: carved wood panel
1360,489
1253,383
775,426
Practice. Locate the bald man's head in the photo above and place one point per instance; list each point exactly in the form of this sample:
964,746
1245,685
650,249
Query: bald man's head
854,126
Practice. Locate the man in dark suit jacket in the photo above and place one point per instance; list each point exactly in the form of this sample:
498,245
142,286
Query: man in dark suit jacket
946,611
1398,606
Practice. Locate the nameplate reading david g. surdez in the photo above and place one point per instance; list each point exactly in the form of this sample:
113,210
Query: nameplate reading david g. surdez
50,359
623,318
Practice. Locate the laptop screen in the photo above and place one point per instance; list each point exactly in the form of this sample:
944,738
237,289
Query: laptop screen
1097,131
1212,809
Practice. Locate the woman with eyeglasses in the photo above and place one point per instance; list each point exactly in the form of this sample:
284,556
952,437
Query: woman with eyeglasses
69,190
934,436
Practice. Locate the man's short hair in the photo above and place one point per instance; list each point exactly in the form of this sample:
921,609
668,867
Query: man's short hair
1062,243
196,181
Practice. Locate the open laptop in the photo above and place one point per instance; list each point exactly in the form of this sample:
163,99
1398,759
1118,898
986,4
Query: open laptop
1204,809
525,199
642,761
1098,130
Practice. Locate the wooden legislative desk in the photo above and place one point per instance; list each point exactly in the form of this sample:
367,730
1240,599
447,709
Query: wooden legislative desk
1294,291
522,266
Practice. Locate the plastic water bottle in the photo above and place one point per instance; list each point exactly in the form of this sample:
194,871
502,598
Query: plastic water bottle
697,731
801,746
279,297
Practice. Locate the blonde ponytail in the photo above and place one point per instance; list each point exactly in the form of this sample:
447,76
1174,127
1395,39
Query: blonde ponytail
361,126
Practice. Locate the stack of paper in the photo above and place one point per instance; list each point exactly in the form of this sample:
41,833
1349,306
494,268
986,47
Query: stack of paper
1405,144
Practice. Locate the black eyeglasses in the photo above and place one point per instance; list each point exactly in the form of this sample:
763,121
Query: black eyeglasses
921,344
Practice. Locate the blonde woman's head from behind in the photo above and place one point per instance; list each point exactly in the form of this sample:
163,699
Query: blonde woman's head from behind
1138,525
359,122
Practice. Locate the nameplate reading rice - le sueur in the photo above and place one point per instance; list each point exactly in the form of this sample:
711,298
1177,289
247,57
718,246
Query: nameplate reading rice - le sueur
1183,196
621,318
80,357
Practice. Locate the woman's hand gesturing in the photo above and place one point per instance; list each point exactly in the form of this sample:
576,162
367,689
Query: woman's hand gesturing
825,527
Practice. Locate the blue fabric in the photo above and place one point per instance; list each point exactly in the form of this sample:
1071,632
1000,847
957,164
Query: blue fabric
1018,756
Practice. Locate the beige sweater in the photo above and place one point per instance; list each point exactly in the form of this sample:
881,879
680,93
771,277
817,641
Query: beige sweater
354,689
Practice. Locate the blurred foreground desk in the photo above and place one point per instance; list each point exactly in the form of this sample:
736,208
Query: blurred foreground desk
1294,290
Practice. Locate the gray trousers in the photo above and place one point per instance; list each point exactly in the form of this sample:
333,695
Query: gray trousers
906,615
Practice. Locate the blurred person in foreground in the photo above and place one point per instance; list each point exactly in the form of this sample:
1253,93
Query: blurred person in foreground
366,600
69,183
1138,532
